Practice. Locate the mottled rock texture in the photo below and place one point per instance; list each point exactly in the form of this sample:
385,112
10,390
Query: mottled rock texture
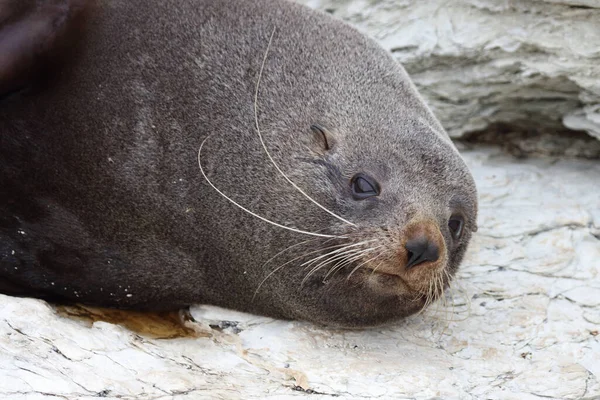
530,63
522,322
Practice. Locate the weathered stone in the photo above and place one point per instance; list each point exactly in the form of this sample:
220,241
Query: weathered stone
529,63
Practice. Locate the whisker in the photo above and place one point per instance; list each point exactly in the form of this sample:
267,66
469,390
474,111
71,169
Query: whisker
341,264
343,255
361,264
467,301
448,311
265,147
452,312
287,249
245,209
377,266
309,262
327,261
283,265
427,295
345,252
345,261
429,291
437,293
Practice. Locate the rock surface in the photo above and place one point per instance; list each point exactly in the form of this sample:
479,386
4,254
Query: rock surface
523,321
533,63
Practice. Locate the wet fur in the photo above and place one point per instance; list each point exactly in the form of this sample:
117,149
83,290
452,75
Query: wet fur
103,201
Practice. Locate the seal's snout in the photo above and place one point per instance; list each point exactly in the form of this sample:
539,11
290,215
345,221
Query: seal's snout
420,250
423,244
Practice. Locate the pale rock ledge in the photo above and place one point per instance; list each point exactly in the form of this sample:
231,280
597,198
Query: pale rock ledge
530,63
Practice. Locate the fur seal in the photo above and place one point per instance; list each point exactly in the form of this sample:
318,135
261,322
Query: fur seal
255,155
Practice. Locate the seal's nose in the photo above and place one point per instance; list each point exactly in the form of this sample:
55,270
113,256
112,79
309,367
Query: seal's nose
420,250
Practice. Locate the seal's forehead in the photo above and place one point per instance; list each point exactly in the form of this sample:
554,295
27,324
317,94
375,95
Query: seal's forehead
405,136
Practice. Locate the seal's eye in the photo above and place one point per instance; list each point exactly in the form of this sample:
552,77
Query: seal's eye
324,135
363,186
456,224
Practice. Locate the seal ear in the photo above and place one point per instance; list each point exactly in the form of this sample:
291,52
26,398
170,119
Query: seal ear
35,37
323,139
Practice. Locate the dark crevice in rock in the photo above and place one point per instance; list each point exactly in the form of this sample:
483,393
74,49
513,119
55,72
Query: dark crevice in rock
311,391
522,139
581,7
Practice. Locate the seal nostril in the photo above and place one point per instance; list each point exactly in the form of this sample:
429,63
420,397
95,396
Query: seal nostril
421,250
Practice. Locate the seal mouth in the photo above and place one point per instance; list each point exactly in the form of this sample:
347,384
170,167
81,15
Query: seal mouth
393,279
391,275
387,283
402,274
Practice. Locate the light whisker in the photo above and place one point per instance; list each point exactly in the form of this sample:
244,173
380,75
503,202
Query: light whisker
245,209
308,263
341,256
364,263
341,264
283,265
265,147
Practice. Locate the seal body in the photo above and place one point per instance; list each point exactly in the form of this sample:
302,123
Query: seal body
104,201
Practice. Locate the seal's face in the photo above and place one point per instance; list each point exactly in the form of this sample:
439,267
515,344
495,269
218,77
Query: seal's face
413,205
353,133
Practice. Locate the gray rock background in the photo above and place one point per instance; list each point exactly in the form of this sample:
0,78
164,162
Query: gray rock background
529,63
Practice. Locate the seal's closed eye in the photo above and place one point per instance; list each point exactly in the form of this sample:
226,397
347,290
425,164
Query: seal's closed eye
456,224
323,135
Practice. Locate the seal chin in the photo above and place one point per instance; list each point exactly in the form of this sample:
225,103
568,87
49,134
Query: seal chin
396,283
